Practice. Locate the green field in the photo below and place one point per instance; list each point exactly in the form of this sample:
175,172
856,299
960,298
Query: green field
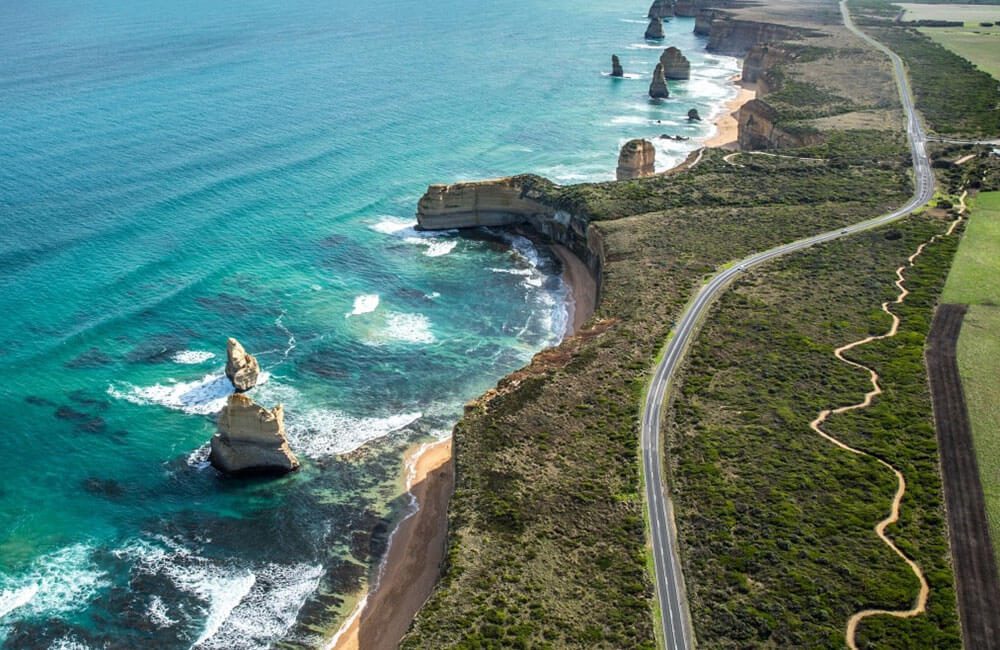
975,279
980,45
971,13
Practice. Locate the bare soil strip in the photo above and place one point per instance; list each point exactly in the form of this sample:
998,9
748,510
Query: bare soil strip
921,602
977,582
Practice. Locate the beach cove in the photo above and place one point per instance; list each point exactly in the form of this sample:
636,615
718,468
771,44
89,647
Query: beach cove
156,203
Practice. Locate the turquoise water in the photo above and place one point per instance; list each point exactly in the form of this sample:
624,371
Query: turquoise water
174,173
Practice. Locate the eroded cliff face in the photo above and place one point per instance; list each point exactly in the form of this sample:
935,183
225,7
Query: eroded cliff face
675,65
757,129
511,201
251,439
737,37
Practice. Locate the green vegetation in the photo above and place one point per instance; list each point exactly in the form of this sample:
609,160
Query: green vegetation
980,45
973,281
985,11
978,360
974,277
775,522
952,94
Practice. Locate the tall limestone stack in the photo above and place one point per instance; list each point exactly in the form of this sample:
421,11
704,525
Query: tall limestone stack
661,9
658,87
637,159
655,30
251,439
616,67
675,64
241,368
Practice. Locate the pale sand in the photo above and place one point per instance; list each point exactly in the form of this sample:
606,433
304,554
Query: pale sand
413,561
582,288
727,128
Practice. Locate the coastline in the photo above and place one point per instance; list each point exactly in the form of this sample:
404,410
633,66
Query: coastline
410,568
726,125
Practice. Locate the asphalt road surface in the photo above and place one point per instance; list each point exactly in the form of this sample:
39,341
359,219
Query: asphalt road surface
676,626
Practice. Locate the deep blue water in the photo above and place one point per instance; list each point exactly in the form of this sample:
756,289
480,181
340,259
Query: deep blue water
174,173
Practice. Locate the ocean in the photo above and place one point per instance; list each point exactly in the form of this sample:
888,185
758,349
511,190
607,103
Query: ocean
176,173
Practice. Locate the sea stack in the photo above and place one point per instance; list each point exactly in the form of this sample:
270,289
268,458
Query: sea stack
693,115
658,87
241,368
616,67
661,9
675,64
636,160
655,30
251,439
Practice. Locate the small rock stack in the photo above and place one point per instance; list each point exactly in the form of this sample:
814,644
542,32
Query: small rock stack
616,67
636,160
675,65
655,30
661,9
250,438
658,87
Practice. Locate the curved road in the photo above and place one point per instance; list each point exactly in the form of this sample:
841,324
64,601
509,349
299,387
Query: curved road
676,627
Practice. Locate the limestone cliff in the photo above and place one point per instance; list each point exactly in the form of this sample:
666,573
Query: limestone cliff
636,160
241,368
655,30
675,64
758,130
737,37
703,22
661,9
658,86
616,67
687,8
251,439
760,66
512,201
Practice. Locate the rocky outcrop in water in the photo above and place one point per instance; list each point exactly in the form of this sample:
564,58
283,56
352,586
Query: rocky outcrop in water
616,67
636,160
241,368
693,115
658,86
655,30
251,439
661,9
675,64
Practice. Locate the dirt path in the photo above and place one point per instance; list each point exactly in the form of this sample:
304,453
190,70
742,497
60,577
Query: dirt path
921,603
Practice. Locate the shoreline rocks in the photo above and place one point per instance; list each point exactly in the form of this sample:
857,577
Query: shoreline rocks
636,160
241,368
658,86
616,67
251,439
693,115
655,30
675,65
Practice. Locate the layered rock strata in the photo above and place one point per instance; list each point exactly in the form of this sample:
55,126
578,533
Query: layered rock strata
251,439
675,64
636,160
241,368
658,86
514,201
661,9
655,30
616,67
686,8
757,129
737,37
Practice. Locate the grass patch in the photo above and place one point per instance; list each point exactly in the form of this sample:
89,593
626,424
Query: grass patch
974,277
980,45
978,361
775,522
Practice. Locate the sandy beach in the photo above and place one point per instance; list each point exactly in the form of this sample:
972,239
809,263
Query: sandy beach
416,549
727,128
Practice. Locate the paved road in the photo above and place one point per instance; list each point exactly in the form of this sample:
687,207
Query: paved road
676,627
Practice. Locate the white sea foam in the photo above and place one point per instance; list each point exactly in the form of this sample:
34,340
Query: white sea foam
199,457
157,613
408,328
364,304
191,357
320,433
223,593
391,225
54,584
434,248
203,396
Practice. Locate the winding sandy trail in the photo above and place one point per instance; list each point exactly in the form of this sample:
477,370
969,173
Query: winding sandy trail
921,603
